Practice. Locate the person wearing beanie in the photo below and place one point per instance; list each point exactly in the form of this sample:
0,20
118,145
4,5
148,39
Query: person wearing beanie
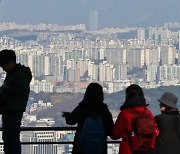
168,140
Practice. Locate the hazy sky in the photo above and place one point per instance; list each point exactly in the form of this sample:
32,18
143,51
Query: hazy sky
113,13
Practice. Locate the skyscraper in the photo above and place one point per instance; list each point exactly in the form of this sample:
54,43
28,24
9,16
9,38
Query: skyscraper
93,20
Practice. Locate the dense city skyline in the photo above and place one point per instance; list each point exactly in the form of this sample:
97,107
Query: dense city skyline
73,56
67,46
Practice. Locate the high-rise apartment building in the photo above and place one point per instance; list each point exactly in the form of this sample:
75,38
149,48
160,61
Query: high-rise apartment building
178,53
159,33
141,34
55,64
169,73
93,20
109,73
115,56
82,65
167,55
122,72
95,73
22,58
153,34
151,73
151,56
106,72
73,75
38,65
135,57
102,72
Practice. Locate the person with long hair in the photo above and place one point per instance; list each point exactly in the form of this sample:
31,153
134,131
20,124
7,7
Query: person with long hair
91,105
168,140
134,103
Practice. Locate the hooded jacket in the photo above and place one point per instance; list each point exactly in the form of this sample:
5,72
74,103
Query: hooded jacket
15,89
123,125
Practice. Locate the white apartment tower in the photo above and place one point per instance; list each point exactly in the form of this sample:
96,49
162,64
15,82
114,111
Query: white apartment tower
151,56
109,73
38,65
135,57
141,35
153,34
151,73
22,58
102,72
116,56
82,65
123,72
169,73
167,55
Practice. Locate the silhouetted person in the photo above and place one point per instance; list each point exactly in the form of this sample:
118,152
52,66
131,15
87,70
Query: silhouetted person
135,104
168,140
14,96
91,105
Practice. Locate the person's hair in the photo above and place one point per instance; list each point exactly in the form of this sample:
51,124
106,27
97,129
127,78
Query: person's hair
94,92
133,90
6,56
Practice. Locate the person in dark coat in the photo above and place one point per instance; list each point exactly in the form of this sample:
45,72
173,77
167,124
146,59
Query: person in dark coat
92,104
168,140
134,102
14,95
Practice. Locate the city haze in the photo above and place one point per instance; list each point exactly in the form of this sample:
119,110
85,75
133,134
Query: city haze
112,13
70,43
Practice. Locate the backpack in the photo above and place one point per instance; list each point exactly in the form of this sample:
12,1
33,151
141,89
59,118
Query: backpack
92,138
144,131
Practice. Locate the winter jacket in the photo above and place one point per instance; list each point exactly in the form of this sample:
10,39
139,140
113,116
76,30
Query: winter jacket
168,140
85,109
123,125
15,89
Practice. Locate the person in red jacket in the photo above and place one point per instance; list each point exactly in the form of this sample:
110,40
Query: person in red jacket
134,102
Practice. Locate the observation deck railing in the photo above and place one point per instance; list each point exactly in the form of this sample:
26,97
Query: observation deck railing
23,129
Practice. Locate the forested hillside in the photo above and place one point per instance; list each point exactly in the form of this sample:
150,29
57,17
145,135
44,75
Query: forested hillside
68,101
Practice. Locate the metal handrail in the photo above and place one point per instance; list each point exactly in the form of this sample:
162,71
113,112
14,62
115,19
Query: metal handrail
52,129
46,128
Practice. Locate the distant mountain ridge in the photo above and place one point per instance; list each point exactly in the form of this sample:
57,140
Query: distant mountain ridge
67,101
112,13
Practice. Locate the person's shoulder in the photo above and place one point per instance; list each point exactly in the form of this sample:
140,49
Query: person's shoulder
126,112
159,116
22,70
149,112
104,105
